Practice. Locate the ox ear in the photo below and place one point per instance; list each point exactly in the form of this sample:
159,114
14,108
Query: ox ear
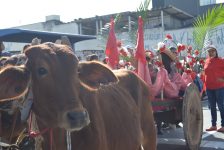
94,74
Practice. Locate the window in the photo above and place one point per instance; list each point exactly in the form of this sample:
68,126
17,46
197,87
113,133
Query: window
207,2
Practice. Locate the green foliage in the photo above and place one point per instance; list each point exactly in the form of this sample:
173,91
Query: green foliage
142,11
204,25
117,18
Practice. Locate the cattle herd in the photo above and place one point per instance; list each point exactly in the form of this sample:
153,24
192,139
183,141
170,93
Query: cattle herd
102,109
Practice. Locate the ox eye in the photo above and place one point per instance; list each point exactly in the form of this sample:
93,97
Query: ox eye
42,71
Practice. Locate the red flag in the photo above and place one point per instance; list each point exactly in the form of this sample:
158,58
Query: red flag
143,70
111,48
140,51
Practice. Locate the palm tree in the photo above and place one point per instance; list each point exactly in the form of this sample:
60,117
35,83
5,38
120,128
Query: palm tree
142,11
205,25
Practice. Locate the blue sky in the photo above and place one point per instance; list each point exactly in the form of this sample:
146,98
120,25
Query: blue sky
22,12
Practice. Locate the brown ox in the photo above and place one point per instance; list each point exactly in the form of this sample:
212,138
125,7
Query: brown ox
110,113
94,74
12,113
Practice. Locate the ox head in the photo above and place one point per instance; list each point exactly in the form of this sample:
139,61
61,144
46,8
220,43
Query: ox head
14,81
54,79
56,86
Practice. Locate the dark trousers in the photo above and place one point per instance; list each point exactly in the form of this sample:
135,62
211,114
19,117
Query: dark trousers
216,97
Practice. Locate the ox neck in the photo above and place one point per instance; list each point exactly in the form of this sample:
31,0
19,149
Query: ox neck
53,138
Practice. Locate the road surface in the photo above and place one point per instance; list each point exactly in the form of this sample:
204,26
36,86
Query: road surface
173,139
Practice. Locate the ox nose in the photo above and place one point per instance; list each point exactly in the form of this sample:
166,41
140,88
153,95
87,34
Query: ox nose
78,119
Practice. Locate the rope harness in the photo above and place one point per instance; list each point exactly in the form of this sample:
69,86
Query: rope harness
9,111
9,117
34,134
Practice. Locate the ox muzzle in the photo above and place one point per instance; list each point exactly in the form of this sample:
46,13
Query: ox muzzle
77,120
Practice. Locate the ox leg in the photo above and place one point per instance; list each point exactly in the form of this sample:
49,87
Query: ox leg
148,128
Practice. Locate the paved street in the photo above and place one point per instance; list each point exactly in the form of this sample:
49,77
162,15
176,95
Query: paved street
173,139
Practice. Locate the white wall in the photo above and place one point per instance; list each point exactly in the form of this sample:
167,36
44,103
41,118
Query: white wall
66,28
184,36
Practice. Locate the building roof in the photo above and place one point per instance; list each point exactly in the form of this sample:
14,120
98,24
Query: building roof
26,36
89,23
171,10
